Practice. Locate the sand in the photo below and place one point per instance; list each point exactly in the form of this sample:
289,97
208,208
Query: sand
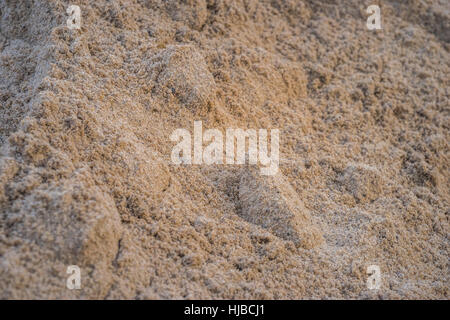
86,176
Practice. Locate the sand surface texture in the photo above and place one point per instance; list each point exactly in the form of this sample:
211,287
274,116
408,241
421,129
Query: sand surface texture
86,176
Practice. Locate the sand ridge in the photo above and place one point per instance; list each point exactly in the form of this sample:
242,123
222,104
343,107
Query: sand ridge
85,170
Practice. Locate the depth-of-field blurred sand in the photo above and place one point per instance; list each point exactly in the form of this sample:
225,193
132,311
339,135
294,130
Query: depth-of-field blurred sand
86,176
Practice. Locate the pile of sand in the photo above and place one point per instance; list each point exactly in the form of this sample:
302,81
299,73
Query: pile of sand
86,177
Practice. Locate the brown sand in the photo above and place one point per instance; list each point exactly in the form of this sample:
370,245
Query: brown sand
85,171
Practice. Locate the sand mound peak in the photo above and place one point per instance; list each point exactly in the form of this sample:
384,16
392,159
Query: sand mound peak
184,74
272,203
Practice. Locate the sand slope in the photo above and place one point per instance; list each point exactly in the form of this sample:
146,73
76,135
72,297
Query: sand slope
85,170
